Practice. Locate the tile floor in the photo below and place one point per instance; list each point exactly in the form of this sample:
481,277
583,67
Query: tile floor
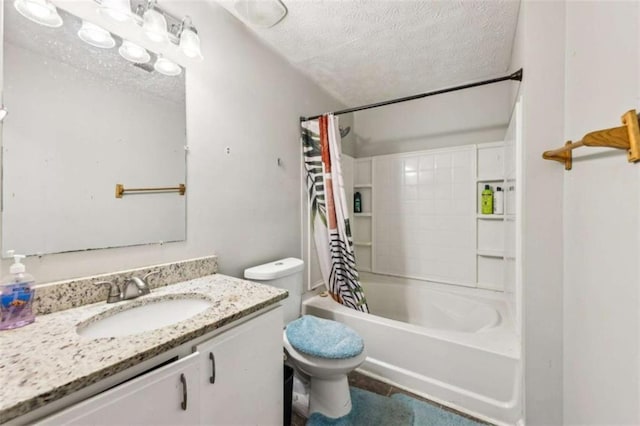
372,385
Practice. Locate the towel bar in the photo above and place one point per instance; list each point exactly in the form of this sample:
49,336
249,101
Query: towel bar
623,137
121,190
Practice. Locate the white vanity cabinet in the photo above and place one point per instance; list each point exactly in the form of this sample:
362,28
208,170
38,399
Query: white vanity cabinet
167,396
247,384
246,388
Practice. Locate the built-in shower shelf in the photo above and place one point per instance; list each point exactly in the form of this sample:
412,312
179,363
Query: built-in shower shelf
491,286
491,216
490,228
491,253
362,227
489,179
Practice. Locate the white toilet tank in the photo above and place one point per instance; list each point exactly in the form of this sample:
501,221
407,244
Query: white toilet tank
285,274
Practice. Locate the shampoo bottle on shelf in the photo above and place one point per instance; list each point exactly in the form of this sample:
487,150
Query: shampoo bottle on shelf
498,201
357,203
17,291
487,200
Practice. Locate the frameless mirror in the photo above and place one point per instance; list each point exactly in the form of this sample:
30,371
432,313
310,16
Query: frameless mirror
81,120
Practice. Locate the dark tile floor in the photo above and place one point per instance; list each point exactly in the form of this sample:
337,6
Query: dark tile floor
361,381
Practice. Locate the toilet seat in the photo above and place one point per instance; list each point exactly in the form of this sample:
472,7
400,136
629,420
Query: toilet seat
317,366
323,338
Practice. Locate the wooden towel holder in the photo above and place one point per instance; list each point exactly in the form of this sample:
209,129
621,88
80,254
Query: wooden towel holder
623,137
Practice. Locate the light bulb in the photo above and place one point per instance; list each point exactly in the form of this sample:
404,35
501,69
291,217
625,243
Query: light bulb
190,43
155,26
96,36
39,11
167,67
118,10
134,53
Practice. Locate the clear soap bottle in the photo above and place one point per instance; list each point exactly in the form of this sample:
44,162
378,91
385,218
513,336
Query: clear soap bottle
17,291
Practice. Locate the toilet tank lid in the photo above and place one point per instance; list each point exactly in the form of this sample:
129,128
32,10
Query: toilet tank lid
274,270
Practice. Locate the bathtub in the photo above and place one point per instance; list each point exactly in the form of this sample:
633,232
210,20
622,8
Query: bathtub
456,346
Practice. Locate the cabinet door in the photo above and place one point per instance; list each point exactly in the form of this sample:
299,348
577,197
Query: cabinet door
166,396
247,384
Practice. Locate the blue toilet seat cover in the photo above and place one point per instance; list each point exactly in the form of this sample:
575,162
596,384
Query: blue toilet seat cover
323,338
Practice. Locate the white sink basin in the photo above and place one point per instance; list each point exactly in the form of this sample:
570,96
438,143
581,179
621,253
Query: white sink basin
156,314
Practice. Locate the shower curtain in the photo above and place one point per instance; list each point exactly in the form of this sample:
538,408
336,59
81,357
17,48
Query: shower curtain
328,208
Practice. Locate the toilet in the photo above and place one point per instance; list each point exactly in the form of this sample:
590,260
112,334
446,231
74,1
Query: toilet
322,351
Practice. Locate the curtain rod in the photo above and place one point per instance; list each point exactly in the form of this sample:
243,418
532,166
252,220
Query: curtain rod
517,76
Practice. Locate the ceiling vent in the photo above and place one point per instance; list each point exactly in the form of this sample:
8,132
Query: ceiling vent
261,13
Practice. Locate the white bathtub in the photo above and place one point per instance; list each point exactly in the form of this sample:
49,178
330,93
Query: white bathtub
453,345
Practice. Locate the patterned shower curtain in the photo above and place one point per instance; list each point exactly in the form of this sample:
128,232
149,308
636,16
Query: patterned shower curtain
328,207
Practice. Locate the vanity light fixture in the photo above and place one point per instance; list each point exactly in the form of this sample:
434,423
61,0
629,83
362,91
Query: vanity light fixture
154,24
167,67
157,24
189,39
118,10
42,12
134,53
96,36
163,27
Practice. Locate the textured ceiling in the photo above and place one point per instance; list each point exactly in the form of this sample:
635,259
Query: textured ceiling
365,51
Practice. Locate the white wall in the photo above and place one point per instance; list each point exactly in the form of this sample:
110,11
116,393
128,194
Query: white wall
602,219
459,118
349,140
241,206
540,51
582,228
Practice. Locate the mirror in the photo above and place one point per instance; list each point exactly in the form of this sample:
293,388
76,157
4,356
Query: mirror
81,120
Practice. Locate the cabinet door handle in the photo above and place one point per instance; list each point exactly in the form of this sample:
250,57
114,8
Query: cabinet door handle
212,379
183,380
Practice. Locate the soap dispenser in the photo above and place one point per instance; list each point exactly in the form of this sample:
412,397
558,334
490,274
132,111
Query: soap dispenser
17,291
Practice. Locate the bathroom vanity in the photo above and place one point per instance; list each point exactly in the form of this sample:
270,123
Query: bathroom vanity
221,366
215,384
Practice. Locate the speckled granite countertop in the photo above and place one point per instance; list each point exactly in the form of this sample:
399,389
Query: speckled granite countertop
48,360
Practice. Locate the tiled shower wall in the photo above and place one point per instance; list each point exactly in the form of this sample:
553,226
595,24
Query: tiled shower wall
424,215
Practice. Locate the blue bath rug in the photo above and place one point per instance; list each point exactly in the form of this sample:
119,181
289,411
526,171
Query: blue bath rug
428,414
368,409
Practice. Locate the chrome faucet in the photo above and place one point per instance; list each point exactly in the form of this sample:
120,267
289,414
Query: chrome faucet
136,286
133,287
